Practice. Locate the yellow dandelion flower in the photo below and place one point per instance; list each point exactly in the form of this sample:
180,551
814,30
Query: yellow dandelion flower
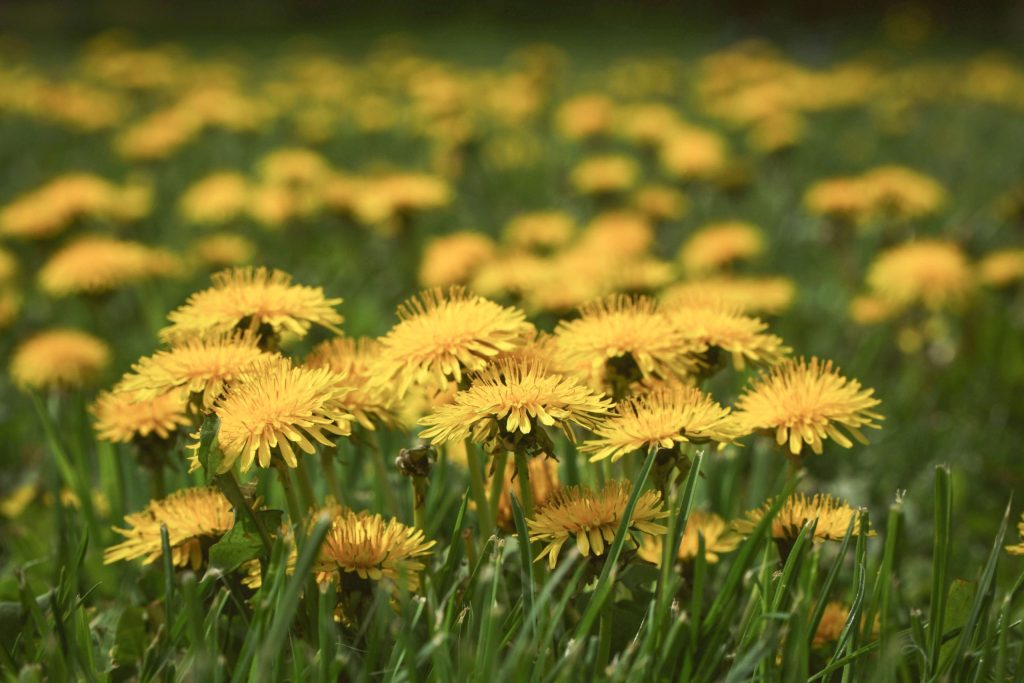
593,518
442,335
293,166
605,174
692,153
275,404
540,230
719,538
373,548
252,297
665,417
804,403
368,403
719,327
584,116
616,234
871,310
48,210
123,416
454,259
903,193
194,518
1018,549
510,399
1002,267
224,249
216,199
833,621
620,340
846,199
543,484
661,202
932,273
718,245
768,295
833,517
201,366
96,264
10,305
58,358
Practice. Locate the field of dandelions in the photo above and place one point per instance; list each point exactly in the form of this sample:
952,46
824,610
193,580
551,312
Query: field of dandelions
390,365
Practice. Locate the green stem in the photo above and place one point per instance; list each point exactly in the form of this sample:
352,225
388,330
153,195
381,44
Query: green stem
305,484
158,485
476,486
419,502
497,485
383,484
229,487
327,465
523,474
294,509
604,641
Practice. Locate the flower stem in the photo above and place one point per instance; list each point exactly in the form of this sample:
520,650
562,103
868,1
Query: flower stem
604,641
497,485
294,510
229,487
523,474
305,484
327,465
419,502
476,486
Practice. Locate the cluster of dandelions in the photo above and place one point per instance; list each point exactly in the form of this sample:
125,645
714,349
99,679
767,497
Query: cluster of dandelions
611,389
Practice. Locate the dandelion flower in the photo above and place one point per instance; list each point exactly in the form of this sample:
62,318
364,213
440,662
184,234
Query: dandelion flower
593,518
274,405
660,202
719,538
1002,267
195,518
453,259
440,336
1018,549
368,403
252,297
201,366
716,326
123,416
216,199
719,245
620,340
585,116
97,264
605,174
832,515
768,295
374,548
933,273
224,249
60,357
510,399
543,480
539,230
804,403
665,417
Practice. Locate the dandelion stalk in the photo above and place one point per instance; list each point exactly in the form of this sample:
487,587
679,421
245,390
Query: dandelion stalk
476,487
497,484
523,475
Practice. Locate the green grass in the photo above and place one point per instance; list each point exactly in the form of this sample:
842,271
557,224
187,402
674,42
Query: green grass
933,595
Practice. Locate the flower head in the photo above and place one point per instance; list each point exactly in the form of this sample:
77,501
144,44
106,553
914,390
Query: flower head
718,245
216,199
716,326
368,403
665,417
453,259
61,357
832,515
620,340
194,518
719,538
933,273
769,295
373,548
440,336
806,403
510,399
224,249
123,416
605,174
1018,549
1002,267
202,366
274,405
252,297
593,519
96,264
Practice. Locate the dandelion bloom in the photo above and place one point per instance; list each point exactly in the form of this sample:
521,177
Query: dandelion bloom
60,357
216,199
201,366
123,416
903,192
368,403
1001,267
605,174
543,480
846,199
806,403
593,518
224,249
833,621
665,417
275,404
454,259
719,538
768,295
832,515
373,548
933,273
584,116
539,230
1018,549
441,335
509,399
692,153
194,518
716,326
48,210
660,202
97,264
254,297
621,339
719,245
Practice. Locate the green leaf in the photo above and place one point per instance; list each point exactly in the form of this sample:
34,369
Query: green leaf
242,542
130,640
209,457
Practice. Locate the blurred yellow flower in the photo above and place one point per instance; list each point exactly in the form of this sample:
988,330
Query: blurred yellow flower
539,230
368,402
58,358
216,199
718,245
1001,267
931,273
453,259
719,538
96,264
833,517
224,249
123,415
605,174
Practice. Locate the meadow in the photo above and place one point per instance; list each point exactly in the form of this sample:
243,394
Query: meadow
467,357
